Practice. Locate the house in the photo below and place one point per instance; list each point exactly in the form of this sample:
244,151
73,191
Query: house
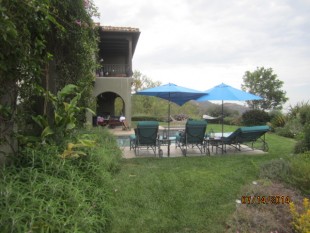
114,77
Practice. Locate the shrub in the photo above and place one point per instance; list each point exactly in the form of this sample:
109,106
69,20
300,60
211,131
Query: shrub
180,117
303,144
300,177
304,114
236,120
278,169
149,118
276,218
255,117
44,193
301,221
294,171
277,120
284,132
294,127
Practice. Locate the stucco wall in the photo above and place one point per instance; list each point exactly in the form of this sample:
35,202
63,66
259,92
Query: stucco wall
119,85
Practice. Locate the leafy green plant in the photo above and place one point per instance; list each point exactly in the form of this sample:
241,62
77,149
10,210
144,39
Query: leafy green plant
43,193
65,106
277,120
70,152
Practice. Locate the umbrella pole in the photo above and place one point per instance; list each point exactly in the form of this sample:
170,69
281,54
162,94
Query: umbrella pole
168,128
222,126
168,119
222,118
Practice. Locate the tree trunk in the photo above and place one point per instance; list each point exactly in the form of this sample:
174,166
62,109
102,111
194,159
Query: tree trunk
8,143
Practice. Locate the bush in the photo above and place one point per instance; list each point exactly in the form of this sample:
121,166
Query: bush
180,117
278,170
149,118
44,193
300,176
294,171
303,143
236,120
255,117
275,218
277,119
301,221
284,132
304,114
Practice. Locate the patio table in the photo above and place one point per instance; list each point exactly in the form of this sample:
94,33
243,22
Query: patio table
216,141
165,141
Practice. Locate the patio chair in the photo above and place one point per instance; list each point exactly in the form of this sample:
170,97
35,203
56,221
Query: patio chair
245,135
193,136
145,136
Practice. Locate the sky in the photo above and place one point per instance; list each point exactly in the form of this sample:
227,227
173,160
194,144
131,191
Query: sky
201,43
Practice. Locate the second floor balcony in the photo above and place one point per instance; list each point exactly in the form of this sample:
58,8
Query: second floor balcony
114,70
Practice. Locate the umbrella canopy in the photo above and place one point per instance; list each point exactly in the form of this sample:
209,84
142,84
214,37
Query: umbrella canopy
226,92
172,93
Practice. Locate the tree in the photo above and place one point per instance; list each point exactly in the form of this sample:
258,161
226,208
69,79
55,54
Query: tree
143,104
263,82
141,82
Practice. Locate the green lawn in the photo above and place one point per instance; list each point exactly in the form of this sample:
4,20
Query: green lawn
186,194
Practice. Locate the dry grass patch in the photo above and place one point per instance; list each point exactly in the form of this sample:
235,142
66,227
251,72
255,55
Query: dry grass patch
269,217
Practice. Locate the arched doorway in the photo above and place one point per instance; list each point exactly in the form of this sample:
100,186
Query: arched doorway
112,97
110,104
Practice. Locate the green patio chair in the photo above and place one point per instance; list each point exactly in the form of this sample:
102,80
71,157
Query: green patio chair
145,136
193,136
244,135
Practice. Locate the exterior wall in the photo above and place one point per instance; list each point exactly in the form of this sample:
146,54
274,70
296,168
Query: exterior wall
118,85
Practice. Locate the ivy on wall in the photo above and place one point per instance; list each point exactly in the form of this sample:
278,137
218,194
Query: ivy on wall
43,43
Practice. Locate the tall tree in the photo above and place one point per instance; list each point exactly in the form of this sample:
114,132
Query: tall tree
143,104
141,82
263,82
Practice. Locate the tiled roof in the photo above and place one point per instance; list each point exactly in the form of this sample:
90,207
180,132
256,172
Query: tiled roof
120,29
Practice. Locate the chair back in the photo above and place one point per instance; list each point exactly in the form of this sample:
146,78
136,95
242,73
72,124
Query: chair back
146,132
195,131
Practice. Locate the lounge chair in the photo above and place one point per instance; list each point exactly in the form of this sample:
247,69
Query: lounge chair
245,135
194,135
145,136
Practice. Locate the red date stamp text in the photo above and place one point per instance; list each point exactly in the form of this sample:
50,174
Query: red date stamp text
265,200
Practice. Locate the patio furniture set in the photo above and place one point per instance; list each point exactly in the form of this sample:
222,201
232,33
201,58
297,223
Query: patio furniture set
194,137
111,121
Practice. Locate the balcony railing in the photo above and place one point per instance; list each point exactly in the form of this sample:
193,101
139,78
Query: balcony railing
114,70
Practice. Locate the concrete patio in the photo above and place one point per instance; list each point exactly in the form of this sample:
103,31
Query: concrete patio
176,152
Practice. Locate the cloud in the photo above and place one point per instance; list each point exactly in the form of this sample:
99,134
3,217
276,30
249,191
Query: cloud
209,42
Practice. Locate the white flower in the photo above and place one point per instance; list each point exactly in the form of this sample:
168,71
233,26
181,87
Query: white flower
238,201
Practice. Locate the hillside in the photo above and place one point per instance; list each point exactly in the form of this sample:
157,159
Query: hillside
207,106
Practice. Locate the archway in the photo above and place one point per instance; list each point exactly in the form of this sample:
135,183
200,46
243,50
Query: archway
109,106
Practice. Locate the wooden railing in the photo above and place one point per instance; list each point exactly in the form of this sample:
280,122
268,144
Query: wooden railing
114,70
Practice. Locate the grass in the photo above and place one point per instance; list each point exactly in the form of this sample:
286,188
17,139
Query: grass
186,194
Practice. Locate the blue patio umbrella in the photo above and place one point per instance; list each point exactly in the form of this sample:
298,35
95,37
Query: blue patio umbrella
225,92
172,93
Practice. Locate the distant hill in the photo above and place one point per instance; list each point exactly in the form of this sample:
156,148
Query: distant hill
204,106
234,106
